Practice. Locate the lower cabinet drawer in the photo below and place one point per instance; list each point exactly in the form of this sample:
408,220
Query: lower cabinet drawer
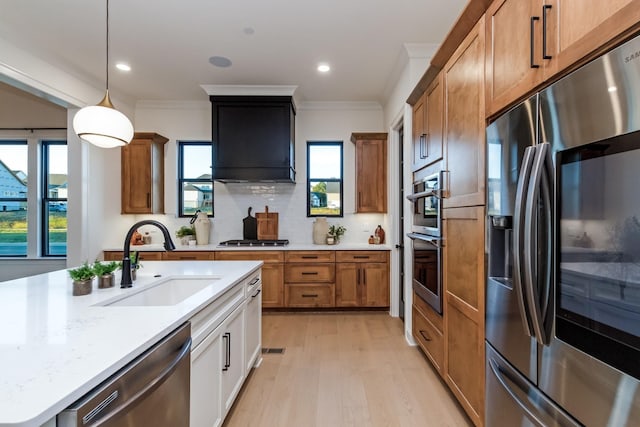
304,295
429,339
305,273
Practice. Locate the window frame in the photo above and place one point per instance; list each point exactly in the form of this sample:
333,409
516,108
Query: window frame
182,180
25,142
315,179
44,199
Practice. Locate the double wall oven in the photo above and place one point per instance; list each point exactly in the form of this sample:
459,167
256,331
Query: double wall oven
426,237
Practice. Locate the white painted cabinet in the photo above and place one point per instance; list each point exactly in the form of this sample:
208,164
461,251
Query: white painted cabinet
233,357
218,357
206,360
253,328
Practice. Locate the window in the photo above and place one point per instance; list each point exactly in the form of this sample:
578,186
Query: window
195,184
324,178
39,181
54,198
13,198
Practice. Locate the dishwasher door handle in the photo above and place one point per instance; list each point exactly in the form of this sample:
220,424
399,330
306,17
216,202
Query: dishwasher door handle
149,388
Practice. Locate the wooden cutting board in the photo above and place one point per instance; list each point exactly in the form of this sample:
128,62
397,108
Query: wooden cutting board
267,224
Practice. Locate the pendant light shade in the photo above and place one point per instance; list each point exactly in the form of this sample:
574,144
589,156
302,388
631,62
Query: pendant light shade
102,125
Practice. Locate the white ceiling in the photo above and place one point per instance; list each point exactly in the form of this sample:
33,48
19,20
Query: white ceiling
168,43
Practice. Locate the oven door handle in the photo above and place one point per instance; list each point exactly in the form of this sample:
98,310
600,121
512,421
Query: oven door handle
423,194
435,241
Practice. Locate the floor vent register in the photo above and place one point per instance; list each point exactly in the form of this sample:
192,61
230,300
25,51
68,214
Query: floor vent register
272,350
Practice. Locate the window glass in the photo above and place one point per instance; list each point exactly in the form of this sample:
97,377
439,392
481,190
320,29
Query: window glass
324,178
54,202
194,176
13,198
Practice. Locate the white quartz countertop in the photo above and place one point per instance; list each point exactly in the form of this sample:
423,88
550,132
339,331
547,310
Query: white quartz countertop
55,347
290,247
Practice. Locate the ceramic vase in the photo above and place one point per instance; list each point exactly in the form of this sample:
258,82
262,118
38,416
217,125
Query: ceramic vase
320,230
203,227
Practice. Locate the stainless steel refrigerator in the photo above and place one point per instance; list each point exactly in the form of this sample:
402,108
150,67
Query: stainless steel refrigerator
563,251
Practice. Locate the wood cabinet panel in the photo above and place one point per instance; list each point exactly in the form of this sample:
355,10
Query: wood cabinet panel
465,122
465,306
300,295
309,256
188,255
362,284
362,256
309,273
419,133
143,255
267,257
429,338
428,123
142,167
371,172
427,311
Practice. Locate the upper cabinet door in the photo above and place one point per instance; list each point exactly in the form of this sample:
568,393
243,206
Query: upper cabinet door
530,42
576,28
465,122
512,63
371,172
428,124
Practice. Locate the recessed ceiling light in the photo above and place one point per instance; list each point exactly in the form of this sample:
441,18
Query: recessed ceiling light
220,61
248,31
612,89
123,67
324,68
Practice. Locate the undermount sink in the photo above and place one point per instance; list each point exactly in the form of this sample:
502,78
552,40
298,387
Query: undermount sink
170,291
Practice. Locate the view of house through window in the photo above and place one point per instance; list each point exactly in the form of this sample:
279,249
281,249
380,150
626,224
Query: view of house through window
195,181
13,198
324,178
54,199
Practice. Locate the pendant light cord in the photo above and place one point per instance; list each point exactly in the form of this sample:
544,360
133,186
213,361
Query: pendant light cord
107,68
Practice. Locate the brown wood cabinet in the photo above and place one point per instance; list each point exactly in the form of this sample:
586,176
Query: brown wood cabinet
371,172
532,41
465,122
142,164
272,273
428,125
464,307
427,330
309,278
362,279
142,255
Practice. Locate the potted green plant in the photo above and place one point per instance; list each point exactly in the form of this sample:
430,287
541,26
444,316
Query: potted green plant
186,233
105,273
82,279
334,234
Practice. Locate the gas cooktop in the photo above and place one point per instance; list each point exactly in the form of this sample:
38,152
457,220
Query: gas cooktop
254,243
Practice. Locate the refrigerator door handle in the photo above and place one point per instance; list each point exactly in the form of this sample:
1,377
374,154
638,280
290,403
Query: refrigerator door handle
546,312
519,280
538,186
503,379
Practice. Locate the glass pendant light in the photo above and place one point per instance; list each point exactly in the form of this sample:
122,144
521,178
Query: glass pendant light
102,125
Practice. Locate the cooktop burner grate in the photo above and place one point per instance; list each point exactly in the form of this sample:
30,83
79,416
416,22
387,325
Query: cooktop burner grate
254,243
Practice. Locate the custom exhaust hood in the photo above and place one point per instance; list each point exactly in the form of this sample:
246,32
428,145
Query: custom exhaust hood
253,138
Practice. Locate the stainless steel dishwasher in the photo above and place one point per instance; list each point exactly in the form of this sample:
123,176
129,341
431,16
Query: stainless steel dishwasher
153,390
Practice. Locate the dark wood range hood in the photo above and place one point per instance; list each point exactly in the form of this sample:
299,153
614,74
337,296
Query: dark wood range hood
253,138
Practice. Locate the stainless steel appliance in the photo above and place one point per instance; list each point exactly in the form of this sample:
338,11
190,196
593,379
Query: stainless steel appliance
426,198
153,390
427,276
563,251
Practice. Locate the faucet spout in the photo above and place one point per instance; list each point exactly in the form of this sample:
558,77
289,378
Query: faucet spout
126,281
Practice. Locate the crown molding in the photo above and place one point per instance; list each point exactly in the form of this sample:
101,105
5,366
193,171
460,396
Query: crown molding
249,90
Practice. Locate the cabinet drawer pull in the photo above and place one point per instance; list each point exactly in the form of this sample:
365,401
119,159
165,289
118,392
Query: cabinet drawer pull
361,256
309,295
544,31
254,281
532,58
256,294
148,200
187,257
309,257
357,276
364,277
426,338
226,337
309,273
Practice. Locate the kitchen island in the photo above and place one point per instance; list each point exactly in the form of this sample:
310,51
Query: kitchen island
55,347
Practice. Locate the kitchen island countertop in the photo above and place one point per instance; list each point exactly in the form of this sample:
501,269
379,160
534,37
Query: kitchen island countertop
55,347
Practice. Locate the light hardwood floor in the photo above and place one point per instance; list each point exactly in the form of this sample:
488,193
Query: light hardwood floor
342,369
